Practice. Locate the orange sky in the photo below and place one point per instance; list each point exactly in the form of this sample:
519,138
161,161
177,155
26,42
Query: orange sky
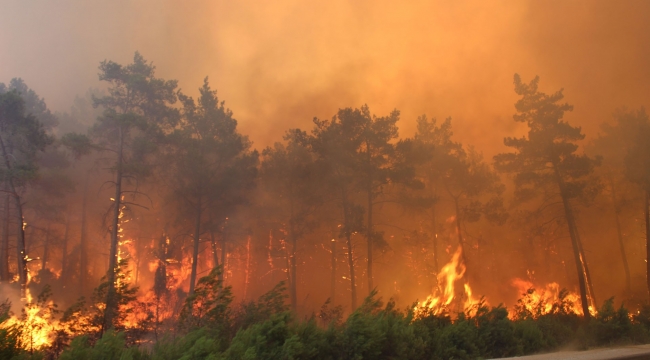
277,64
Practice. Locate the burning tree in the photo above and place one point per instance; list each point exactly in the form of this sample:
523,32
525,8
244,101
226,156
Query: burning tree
135,111
22,136
432,144
545,163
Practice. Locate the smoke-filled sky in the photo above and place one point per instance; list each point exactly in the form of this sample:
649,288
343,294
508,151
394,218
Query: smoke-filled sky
277,64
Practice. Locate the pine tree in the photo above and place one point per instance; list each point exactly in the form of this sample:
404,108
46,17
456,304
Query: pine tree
546,159
292,178
136,110
22,137
211,164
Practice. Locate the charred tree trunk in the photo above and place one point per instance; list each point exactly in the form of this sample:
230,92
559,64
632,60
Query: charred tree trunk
4,247
160,279
590,286
626,266
369,234
213,245
111,305
138,260
293,292
195,254
248,266
577,254
333,265
434,226
646,215
20,237
20,248
353,286
224,253
347,225
46,248
64,250
83,247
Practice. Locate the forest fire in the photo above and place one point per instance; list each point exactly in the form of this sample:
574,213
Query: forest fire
357,157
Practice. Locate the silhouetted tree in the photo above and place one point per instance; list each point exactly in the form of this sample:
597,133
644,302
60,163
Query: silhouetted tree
474,188
546,158
432,145
618,144
22,137
212,166
637,167
135,111
293,180
336,142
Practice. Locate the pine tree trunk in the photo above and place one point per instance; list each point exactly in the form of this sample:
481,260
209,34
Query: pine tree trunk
293,271
83,247
353,286
64,250
568,211
646,213
213,244
195,254
160,279
369,235
333,266
224,253
626,266
4,247
111,305
248,267
20,246
46,248
138,251
434,227
590,286
348,238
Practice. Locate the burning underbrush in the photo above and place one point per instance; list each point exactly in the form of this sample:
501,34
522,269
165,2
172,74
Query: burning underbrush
451,323
454,295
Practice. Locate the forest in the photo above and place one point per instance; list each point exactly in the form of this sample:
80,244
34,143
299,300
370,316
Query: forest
143,224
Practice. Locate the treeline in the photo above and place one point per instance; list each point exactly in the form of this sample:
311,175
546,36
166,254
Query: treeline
141,185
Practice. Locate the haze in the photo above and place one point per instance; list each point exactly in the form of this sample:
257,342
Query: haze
278,64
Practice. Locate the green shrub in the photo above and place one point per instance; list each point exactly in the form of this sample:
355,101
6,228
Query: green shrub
611,326
9,334
111,346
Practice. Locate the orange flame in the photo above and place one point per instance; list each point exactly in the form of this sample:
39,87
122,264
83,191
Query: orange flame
541,302
452,272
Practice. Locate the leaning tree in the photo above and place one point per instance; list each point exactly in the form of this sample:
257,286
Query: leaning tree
546,163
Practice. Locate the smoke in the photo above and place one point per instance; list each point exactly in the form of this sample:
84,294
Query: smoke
279,64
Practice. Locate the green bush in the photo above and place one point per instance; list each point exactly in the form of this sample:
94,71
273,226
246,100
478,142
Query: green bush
111,346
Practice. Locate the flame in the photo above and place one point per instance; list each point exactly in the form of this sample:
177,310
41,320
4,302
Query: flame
541,302
36,325
452,272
